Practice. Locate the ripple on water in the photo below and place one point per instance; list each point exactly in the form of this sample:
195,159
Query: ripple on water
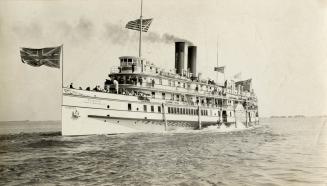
267,155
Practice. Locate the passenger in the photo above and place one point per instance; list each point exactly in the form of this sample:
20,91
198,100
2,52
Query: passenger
71,86
153,82
134,79
133,68
116,86
140,80
88,88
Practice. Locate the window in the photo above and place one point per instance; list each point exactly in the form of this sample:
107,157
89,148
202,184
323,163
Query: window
145,108
177,109
180,110
159,109
163,95
183,110
230,114
152,108
153,94
129,106
168,110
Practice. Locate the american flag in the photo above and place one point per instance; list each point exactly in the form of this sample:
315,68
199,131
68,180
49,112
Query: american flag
44,56
220,69
135,25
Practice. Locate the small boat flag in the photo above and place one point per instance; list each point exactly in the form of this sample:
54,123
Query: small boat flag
238,76
220,69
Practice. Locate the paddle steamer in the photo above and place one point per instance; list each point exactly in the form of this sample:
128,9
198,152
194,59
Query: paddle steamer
138,96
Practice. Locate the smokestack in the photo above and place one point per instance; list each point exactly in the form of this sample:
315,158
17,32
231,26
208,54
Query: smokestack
191,60
179,57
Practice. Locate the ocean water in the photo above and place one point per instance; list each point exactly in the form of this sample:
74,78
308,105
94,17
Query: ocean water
279,152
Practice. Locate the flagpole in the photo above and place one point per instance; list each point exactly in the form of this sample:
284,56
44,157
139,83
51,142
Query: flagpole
140,41
217,62
62,80
62,66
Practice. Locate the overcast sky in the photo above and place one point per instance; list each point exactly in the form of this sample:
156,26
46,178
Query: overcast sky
280,44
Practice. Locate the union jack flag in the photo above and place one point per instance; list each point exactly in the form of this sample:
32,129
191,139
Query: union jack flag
135,25
44,56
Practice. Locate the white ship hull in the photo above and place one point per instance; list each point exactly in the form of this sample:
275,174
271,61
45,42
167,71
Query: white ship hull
89,112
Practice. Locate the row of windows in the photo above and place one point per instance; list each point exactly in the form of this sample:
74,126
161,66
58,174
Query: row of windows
176,110
186,111
145,108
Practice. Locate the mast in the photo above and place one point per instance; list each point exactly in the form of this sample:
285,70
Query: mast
140,39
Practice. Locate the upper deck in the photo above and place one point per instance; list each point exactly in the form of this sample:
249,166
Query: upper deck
140,74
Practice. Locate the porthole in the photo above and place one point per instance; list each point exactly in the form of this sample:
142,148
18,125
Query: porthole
108,106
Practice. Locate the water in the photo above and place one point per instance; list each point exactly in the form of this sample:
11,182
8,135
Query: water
280,152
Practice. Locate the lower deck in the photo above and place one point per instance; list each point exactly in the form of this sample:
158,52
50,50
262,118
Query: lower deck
87,114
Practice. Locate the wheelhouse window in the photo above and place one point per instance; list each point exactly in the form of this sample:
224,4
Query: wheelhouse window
159,109
129,106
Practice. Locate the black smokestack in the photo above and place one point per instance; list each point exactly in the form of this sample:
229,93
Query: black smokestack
191,60
179,57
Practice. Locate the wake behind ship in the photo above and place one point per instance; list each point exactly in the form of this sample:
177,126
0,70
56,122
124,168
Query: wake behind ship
138,96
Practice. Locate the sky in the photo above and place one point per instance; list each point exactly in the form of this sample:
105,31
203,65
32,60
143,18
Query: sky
280,44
